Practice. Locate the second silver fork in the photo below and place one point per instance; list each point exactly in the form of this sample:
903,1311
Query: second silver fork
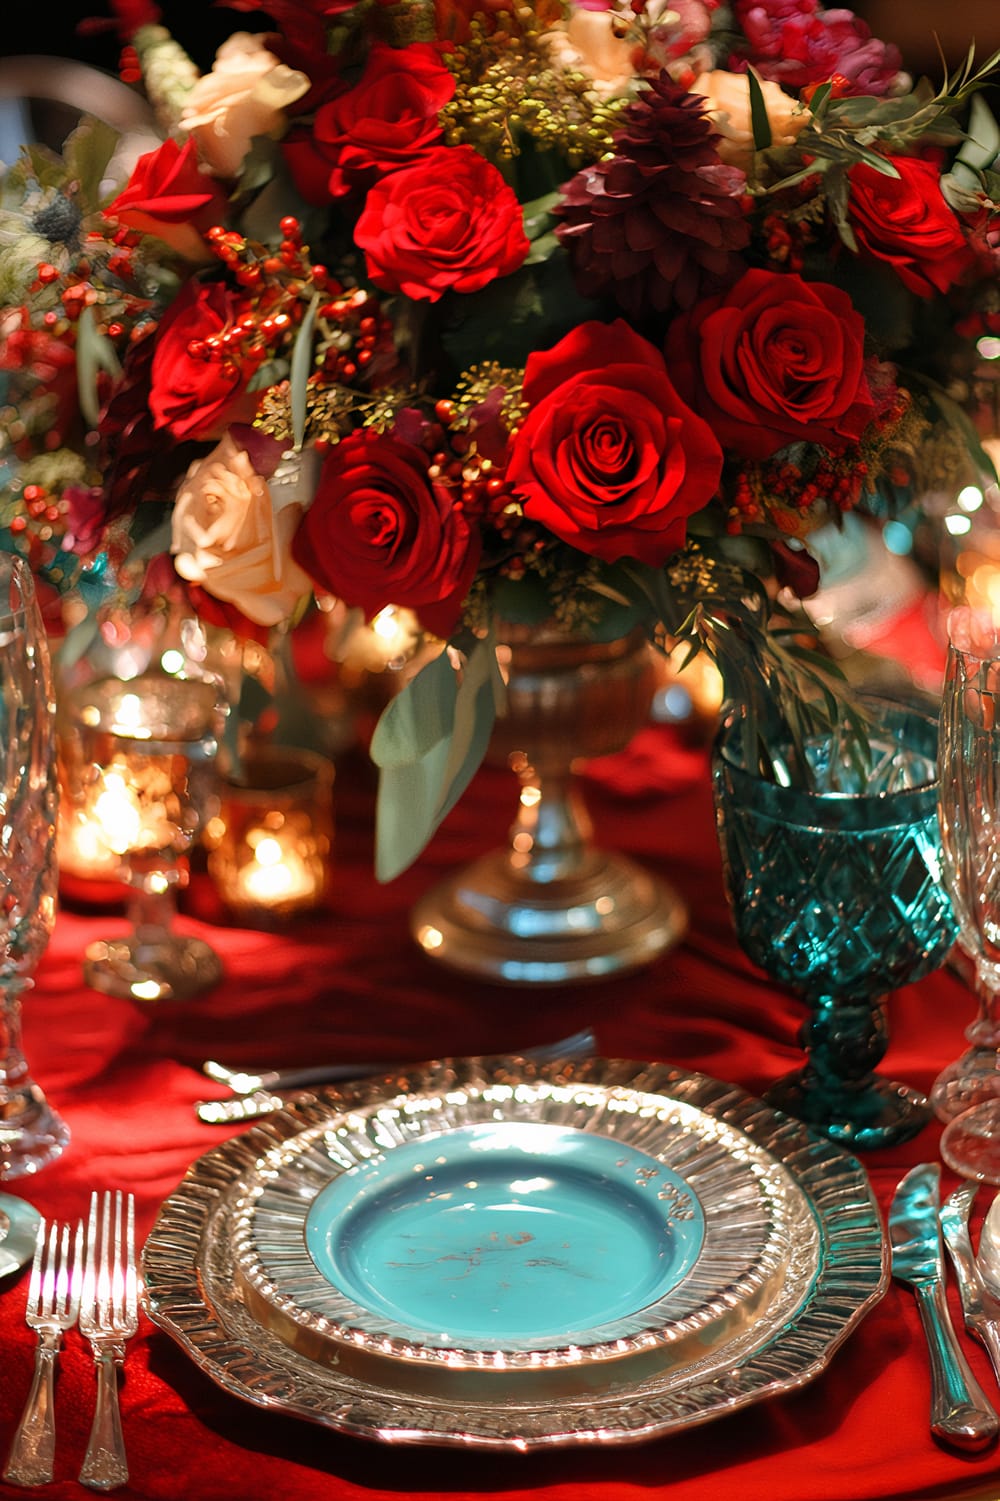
109,1315
53,1301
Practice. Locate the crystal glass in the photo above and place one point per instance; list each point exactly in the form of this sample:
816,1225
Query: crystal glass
31,1132
838,892
139,759
966,1093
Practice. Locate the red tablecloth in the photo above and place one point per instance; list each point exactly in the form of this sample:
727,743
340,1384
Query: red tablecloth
352,986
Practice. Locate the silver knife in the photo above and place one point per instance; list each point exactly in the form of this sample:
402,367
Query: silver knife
960,1412
979,1307
262,1100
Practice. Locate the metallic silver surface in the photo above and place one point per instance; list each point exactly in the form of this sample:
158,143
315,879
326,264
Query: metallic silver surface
960,1412
755,1216
980,1308
17,1233
830,1245
255,1096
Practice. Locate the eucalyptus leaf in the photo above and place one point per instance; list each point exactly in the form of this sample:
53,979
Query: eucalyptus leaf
428,745
538,216
982,146
760,125
820,100
94,352
88,152
301,369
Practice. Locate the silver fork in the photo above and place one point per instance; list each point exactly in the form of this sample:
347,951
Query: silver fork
53,1303
109,1315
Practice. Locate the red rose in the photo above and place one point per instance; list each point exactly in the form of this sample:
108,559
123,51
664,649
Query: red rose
388,119
191,395
167,196
609,458
449,222
381,532
906,222
773,361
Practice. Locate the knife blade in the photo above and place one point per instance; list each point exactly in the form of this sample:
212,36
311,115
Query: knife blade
980,1308
261,1101
960,1413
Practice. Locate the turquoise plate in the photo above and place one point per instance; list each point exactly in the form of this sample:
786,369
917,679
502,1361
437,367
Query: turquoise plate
509,1231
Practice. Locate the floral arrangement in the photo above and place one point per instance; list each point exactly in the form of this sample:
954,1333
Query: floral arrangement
555,312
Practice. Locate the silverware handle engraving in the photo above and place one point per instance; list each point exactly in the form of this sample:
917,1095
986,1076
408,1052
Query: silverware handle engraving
104,1465
960,1412
33,1451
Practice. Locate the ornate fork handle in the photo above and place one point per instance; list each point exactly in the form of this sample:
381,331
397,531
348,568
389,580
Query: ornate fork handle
32,1454
104,1465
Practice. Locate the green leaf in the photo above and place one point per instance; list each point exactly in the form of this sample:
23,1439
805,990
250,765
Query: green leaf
538,217
542,248
94,352
760,125
820,99
982,147
837,195
301,369
87,152
428,745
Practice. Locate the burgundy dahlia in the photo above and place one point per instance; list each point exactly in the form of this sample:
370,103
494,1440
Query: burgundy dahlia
661,223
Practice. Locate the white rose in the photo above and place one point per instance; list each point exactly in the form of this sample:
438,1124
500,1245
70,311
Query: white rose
728,107
245,95
230,536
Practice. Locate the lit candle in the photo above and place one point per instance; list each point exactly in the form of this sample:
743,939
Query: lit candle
276,875
269,847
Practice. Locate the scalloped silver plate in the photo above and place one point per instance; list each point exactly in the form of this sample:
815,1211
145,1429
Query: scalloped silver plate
206,1286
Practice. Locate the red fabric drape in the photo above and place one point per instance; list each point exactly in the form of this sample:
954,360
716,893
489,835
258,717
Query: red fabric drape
350,985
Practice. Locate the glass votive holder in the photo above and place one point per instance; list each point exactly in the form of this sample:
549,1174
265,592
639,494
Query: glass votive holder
269,847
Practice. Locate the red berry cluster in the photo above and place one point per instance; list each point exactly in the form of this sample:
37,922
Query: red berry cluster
787,495
279,285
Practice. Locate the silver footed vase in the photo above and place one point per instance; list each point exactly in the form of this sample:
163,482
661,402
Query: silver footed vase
551,907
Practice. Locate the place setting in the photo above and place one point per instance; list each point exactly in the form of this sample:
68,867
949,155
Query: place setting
499,667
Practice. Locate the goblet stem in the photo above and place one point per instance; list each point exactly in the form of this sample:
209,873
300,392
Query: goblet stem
974,1078
153,962
31,1132
838,1090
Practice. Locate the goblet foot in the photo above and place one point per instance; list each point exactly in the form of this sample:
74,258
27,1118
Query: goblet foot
867,1113
31,1132
152,965
971,1080
491,921
970,1144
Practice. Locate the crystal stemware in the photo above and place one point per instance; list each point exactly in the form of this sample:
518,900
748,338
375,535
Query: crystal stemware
966,1093
140,758
31,1132
836,890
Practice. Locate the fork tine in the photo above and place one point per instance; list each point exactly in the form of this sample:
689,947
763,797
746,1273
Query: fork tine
90,1257
35,1280
131,1275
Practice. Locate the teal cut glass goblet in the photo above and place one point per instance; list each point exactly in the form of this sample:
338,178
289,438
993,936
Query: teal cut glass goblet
837,891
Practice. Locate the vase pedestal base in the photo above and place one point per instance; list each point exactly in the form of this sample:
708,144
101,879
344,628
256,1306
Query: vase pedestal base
151,966
491,921
877,1112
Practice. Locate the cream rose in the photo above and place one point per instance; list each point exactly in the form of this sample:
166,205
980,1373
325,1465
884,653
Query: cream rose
245,95
233,537
728,106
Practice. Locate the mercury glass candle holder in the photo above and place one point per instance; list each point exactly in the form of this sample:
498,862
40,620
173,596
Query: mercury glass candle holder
139,762
270,843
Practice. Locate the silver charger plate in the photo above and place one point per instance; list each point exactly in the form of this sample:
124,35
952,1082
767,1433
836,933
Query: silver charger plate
822,1228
